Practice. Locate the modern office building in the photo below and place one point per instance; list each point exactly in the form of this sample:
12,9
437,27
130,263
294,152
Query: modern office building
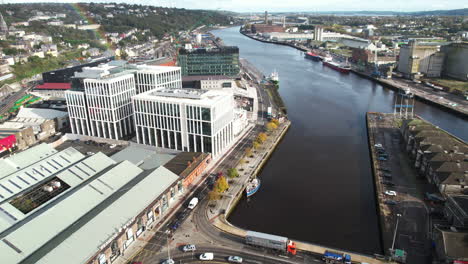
219,61
100,101
102,108
185,119
150,77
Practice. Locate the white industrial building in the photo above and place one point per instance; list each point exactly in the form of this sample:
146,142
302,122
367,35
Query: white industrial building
185,119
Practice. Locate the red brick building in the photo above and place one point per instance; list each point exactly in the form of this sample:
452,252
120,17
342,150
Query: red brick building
265,28
189,166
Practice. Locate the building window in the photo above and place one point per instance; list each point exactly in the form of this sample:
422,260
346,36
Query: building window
102,259
206,114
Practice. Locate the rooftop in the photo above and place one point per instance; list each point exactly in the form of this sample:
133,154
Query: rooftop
189,96
54,86
185,162
145,157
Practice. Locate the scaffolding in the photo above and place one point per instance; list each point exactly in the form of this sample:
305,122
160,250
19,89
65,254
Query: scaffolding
404,104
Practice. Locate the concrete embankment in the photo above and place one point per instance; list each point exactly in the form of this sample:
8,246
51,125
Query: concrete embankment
385,231
421,96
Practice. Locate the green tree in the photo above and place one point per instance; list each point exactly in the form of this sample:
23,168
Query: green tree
232,173
262,137
271,126
248,152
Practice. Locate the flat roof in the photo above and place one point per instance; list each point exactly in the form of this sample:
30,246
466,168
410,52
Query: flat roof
54,86
84,242
20,244
41,113
189,96
146,157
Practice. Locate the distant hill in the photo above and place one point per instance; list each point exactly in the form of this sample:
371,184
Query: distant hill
454,12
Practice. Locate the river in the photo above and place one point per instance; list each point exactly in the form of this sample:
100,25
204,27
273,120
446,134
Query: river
318,186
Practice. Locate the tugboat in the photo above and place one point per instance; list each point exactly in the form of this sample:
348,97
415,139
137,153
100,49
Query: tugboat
252,187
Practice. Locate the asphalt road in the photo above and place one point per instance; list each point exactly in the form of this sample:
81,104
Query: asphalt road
221,255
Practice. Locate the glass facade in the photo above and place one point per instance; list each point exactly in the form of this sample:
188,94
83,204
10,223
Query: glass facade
223,61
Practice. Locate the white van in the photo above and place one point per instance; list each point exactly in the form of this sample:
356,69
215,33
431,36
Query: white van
193,203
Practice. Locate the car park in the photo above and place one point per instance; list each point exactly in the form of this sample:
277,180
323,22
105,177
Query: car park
206,256
189,248
391,193
235,259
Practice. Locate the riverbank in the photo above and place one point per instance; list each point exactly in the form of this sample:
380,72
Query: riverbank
423,96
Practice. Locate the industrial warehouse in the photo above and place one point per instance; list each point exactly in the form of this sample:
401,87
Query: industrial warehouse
87,208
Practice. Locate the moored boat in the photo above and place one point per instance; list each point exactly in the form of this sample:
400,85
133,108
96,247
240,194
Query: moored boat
252,187
344,68
313,56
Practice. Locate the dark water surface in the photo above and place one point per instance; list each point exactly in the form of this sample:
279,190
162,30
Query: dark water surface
317,186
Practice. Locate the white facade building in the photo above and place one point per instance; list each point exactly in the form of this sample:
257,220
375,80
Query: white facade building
151,77
103,108
185,119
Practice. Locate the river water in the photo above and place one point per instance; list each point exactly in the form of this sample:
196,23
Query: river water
318,186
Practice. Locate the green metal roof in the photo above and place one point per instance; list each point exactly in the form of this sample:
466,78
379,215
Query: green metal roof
38,231
85,242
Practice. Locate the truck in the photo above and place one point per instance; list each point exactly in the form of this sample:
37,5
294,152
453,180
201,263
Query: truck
269,113
336,257
270,241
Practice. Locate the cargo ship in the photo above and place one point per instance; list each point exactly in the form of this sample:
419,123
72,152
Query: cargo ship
313,56
344,68
252,187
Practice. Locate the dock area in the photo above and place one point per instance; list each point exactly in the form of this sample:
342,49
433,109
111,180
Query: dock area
399,190
449,102
237,190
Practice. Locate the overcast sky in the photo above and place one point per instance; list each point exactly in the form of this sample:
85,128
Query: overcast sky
294,5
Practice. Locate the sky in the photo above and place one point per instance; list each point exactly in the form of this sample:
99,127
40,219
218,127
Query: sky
291,5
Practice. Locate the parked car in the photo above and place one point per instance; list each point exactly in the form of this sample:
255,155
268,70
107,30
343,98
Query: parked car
385,155
391,193
168,261
175,225
189,248
207,256
390,202
112,146
89,153
382,158
235,259
378,145
385,169
182,215
388,183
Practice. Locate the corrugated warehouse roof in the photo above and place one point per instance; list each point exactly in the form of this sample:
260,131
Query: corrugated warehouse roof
25,158
84,243
66,213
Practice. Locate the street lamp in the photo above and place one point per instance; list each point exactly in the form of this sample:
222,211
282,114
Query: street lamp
394,234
